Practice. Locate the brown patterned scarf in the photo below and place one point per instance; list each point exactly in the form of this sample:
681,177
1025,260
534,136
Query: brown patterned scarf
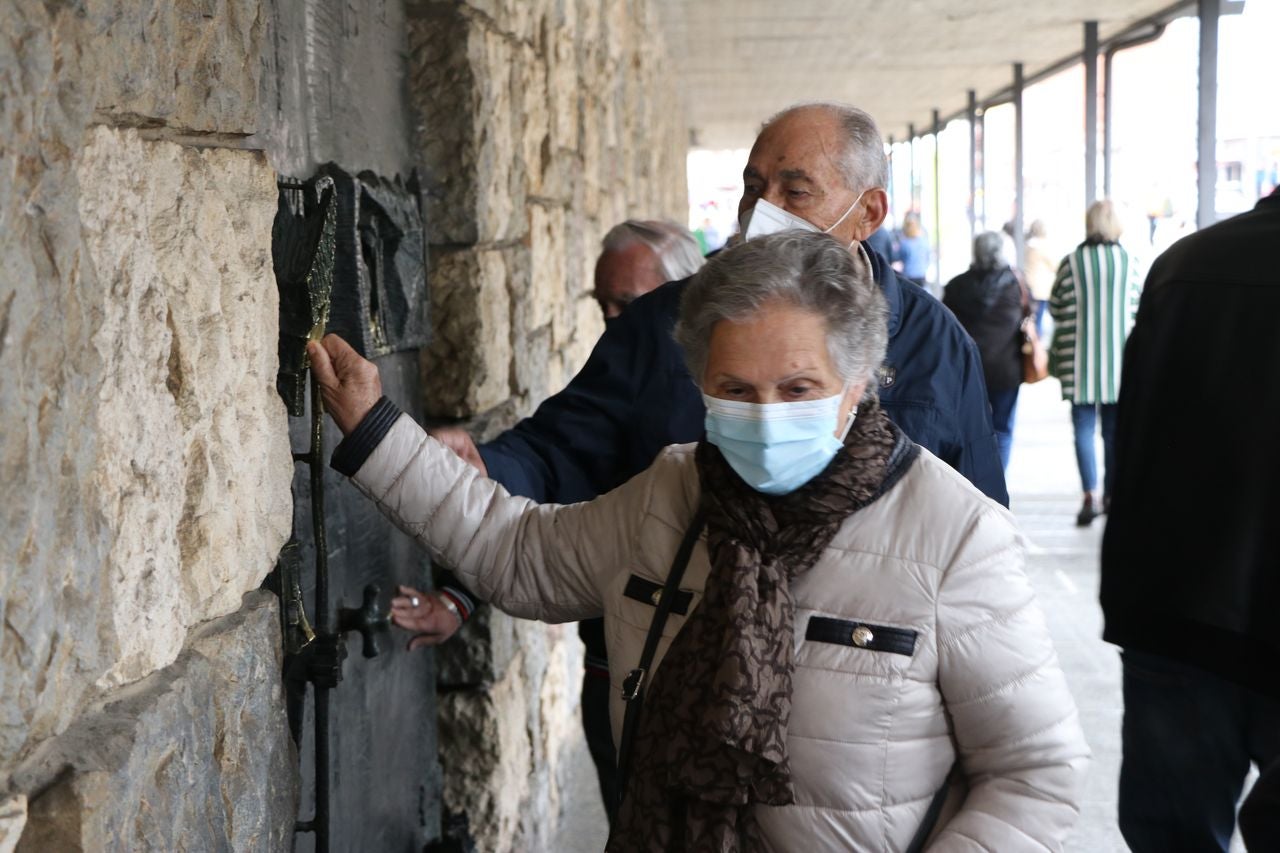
712,738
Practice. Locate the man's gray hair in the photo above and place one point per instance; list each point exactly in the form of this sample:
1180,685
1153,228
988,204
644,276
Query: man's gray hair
864,163
988,252
807,270
675,247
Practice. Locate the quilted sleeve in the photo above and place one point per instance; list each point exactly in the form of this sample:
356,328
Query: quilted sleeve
537,561
1019,739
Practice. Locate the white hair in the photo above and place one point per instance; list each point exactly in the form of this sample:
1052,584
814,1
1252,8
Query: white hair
864,163
675,247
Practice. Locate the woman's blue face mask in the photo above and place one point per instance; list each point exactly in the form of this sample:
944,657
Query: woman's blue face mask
777,447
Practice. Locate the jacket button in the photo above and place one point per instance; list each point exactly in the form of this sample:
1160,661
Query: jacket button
862,635
656,597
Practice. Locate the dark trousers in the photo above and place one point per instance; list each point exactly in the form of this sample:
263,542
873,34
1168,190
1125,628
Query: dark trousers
595,723
1084,418
1004,405
1188,740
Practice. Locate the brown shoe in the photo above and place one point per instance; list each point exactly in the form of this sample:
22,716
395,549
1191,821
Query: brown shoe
1087,512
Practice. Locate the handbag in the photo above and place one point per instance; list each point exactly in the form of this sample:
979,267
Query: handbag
1035,358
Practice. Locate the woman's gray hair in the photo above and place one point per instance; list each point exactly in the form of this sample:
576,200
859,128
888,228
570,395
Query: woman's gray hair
675,247
805,269
988,251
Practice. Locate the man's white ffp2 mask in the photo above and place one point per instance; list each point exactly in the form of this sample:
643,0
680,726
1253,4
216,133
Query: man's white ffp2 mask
768,218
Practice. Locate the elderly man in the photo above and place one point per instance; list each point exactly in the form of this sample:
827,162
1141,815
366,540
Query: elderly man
639,255
818,167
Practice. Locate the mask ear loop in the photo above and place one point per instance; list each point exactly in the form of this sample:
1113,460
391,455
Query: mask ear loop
834,225
865,258
853,415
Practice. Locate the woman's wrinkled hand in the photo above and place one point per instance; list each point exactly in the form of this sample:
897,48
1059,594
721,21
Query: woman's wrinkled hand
349,383
425,614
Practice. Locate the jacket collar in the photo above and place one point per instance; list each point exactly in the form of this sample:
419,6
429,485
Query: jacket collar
889,283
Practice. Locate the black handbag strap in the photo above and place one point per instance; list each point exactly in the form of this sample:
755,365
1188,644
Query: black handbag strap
932,813
633,686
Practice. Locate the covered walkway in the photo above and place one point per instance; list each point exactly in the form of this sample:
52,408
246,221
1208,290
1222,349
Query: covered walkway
191,187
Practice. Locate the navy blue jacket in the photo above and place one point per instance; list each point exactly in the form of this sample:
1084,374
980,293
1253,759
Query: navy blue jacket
635,396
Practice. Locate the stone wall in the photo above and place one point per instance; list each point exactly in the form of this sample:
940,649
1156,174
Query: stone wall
547,123
144,465
144,455
550,122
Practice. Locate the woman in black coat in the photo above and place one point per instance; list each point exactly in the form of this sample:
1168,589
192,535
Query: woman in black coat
988,301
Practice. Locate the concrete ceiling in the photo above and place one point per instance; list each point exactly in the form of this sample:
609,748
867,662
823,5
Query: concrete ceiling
743,60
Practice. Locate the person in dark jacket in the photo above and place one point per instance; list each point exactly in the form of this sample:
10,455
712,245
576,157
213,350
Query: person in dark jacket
988,301
820,167
1191,552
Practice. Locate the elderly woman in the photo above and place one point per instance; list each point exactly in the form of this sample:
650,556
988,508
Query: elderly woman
990,303
847,618
1093,306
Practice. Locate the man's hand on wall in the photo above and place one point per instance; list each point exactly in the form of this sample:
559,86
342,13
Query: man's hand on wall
427,614
349,383
460,442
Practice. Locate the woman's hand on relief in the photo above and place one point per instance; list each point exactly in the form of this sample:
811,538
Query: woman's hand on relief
349,383
426,614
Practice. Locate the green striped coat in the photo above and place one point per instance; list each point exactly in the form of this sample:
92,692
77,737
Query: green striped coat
1094,301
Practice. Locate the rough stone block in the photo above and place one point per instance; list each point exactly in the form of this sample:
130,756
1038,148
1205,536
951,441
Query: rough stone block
188,64
13,817
501,745
535,141
147,485
486,755
530,366
571,310
587,328
594,168
487,646
463,79
467,368
548,264
563,82
515,19
194,757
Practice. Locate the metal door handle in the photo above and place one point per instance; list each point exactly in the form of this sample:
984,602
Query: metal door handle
369,619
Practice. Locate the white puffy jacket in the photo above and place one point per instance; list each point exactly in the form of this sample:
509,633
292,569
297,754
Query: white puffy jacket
958,662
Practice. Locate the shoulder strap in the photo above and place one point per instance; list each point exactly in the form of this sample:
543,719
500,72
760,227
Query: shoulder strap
633,686
932,813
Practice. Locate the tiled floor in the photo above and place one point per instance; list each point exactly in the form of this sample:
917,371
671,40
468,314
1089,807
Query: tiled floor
1063,565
